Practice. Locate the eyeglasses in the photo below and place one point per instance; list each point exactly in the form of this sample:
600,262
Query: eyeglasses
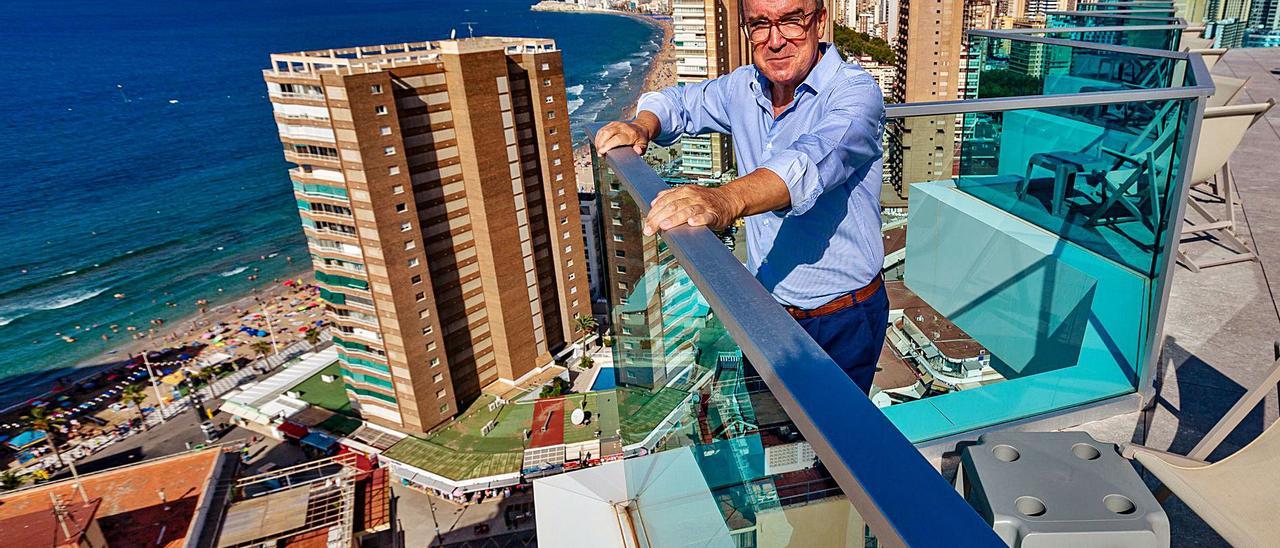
790,27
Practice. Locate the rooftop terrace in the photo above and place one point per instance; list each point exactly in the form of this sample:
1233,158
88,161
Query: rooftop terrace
1065,276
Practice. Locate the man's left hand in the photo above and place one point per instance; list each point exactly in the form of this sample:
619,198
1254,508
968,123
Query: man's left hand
693,205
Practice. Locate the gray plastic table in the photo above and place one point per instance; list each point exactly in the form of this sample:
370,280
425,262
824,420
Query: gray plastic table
1059,489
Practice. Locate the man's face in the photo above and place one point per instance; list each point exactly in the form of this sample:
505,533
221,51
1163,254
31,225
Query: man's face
785,60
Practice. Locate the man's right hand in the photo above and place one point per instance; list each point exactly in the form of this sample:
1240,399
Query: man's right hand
635,134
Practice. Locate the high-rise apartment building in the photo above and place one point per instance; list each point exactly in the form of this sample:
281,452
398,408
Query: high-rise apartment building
435,183
928,50
701,28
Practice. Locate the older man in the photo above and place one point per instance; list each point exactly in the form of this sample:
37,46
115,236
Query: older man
806,129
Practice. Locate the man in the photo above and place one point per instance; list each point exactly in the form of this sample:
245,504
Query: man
806,129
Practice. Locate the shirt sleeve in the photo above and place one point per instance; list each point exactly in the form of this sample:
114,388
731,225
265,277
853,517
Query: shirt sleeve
847,137
690,109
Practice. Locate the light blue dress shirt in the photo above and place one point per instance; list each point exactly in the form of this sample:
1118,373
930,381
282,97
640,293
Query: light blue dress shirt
826,146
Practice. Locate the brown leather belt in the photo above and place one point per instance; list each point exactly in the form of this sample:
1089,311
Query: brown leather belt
839,303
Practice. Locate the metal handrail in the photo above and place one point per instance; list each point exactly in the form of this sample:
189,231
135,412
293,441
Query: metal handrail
1104,13
884,476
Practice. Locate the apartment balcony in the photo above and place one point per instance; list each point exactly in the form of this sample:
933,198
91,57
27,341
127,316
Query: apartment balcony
1059,282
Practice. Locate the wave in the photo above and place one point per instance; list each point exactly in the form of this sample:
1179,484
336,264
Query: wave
575,104
68,299
5,321
233,271
574,90
68,273
133,254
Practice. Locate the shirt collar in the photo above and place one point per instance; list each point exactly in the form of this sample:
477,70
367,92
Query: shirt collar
829,61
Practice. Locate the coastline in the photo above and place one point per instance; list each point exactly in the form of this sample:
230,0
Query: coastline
661,74
176,333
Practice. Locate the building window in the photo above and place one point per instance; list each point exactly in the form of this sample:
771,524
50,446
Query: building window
422,314
427,330
385,130
380,110
402,207
389,151
375,89
438,377
431,347
575,303
420,296
413,262
444,408
564,220
560,192
555,147
440,394
395,170
545,81
550,99
563,207
622,269
546,66
569,264
568,249
565,236
619,253
398,189
618,238
435,362
408,245
573,290
405,227
559,177
553,131
572,276
551,115
622,286
417,279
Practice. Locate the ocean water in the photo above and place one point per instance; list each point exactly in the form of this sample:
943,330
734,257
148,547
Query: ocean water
139,156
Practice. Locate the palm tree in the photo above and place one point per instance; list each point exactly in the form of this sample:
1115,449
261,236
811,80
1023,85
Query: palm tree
10,480
312,336
261,347
584,325
44,422
133,395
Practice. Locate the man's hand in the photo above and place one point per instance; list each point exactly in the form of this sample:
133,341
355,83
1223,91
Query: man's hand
695,206
635,134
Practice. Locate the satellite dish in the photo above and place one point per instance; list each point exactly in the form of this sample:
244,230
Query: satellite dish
577,417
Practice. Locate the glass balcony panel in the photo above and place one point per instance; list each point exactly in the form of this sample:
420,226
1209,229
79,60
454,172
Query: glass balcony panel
720,462
1105,19
1165,38
1009,67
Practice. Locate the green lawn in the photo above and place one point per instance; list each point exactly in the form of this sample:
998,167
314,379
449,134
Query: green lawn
326,395
453,464
603,410
641,411
463,434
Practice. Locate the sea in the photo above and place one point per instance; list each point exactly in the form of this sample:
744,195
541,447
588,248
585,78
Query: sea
141,167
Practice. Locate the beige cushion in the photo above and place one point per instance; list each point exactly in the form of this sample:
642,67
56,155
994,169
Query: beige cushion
1238,496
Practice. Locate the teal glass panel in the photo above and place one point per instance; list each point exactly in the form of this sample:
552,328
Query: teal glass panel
367,379
1105,19
320,190
304,205
1007,67
713,460
362,362
332,296
334,279
371,393
1139,37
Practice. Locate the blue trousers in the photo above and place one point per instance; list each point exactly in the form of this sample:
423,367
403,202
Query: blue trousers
854,336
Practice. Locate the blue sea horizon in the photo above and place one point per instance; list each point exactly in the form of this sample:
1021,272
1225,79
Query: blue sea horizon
142,158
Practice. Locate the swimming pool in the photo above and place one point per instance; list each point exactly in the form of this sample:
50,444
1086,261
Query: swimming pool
604,380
